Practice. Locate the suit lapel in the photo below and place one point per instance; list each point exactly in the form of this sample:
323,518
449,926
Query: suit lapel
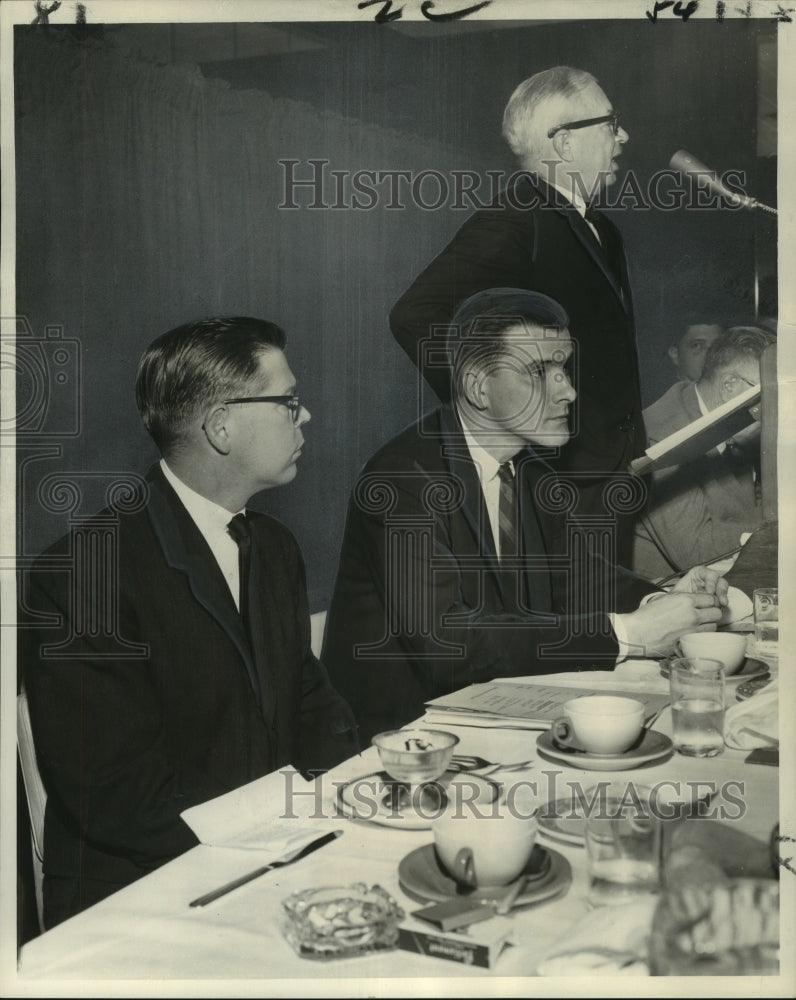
553,199
186,550
600,254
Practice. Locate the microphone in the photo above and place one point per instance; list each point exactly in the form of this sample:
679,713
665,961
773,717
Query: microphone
690,165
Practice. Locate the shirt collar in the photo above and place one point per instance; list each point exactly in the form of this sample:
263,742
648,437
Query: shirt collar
486,463
210,518
702,405
572,197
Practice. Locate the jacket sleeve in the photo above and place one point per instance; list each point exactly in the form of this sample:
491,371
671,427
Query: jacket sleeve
99,733
327,734
493,249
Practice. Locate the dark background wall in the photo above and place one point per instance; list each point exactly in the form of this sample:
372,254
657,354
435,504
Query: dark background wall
148,193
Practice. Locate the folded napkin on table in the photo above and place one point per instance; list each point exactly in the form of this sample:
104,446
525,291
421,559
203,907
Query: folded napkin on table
608,941
269,813
754,722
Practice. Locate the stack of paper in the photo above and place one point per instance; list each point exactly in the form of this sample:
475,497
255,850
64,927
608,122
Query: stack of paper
501,704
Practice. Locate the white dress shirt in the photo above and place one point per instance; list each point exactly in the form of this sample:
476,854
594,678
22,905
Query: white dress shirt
487,466
212,520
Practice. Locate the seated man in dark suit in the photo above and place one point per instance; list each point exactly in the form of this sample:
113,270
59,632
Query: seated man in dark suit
167,658
698,511
461,558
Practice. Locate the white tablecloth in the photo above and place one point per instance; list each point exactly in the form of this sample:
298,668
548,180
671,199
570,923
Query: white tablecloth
148,932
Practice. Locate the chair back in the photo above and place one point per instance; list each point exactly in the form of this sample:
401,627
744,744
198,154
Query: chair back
34,793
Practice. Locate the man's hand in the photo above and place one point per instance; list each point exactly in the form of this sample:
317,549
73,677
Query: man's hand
654,628
701,580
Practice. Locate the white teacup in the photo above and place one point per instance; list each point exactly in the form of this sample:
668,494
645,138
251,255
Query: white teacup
727,647
485,843
600,723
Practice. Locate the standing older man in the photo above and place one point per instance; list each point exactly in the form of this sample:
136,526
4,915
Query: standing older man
541,234
178,663
462,557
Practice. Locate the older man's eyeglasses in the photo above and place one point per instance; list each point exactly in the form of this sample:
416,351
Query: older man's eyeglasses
612,120
291,402
742,378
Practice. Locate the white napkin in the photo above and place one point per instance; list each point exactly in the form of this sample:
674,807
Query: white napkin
754,722
608,941
253,816
739,607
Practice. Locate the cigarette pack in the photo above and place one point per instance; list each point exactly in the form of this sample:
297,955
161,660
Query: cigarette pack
479,944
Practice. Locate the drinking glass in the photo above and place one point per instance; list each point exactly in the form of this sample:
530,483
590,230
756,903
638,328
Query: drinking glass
766,606
623,843
697,693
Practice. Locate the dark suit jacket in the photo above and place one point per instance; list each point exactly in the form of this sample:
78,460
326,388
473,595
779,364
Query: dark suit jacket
699,510
419,583
132,728
550,249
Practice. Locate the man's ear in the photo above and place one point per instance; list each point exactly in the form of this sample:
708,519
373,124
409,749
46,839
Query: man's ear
472,383
216,428
563,146
674,355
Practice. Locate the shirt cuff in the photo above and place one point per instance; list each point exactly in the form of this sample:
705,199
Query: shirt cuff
620,631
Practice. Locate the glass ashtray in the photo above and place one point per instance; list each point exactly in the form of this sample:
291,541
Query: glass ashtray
341,921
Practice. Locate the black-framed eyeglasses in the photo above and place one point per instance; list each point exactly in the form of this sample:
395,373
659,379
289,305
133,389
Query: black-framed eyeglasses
743,378
291,402
612,119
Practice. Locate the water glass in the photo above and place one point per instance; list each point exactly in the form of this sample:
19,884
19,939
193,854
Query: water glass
623,844
697,693
766,607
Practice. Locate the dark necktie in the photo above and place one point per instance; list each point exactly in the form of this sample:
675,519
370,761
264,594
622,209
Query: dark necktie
591,215
240,529
605,238
507,512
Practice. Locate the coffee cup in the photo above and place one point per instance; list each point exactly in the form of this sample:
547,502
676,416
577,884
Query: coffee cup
604,724
483,843
727,647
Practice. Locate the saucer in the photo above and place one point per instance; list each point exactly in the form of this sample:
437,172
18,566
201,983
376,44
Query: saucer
564,820
751,670
423,878
558,821
381,799
651,747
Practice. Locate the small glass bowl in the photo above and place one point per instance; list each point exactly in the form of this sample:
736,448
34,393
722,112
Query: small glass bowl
341,921
415,756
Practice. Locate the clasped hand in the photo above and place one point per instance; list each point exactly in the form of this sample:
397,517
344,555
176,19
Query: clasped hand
694,604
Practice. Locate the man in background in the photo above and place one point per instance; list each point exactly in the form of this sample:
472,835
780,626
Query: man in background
687,354
176,665
453,569
699,510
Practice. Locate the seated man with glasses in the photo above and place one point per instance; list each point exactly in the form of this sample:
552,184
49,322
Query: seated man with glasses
698,511
167,653
543,233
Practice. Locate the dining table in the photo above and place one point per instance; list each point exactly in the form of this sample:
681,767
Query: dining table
149,933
